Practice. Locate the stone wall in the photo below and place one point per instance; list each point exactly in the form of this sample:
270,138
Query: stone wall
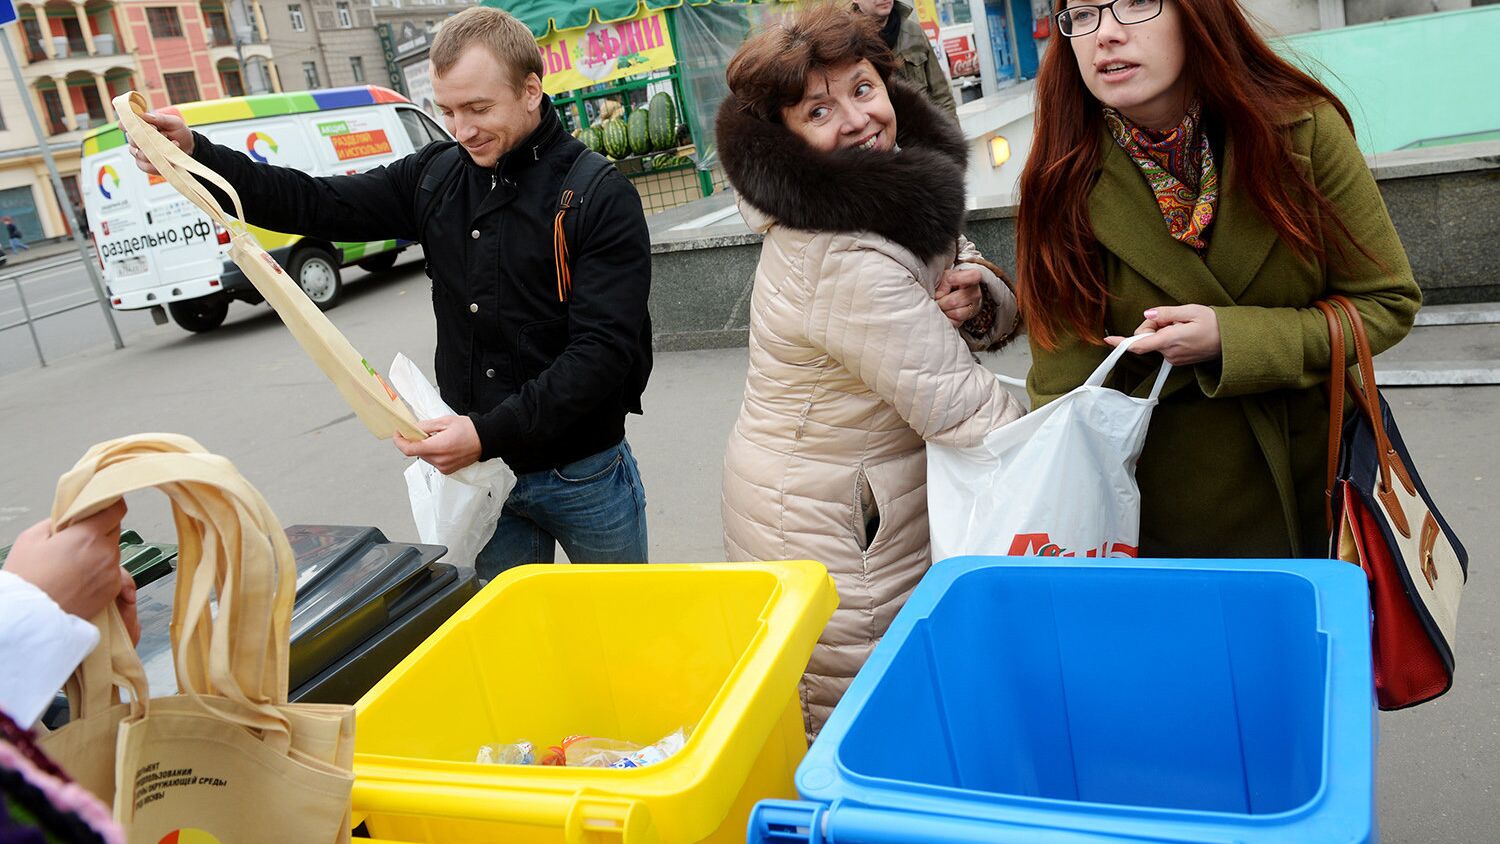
1445,203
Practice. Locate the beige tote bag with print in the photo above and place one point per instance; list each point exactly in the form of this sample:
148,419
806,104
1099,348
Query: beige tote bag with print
375,403
84,747
227,755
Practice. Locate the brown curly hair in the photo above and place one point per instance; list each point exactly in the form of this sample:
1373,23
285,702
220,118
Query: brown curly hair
770,71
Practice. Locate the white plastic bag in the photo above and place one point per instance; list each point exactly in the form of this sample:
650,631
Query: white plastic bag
1058,482
457,510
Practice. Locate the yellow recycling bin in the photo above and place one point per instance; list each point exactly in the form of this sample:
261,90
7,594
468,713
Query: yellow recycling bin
621,652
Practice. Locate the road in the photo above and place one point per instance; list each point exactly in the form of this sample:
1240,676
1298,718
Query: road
49,285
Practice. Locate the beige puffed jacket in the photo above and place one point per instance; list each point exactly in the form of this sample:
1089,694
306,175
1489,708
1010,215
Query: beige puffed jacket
853,366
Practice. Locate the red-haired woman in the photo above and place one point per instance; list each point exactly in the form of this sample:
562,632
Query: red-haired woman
1184,179
863,316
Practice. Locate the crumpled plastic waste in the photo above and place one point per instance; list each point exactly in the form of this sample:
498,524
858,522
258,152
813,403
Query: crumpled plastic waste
586,752
515,753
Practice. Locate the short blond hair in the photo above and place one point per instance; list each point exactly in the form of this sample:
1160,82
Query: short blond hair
507,39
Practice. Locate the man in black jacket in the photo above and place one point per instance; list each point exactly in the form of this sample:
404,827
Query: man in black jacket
540,361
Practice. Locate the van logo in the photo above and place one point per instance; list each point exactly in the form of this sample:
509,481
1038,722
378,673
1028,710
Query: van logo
256,138
107,173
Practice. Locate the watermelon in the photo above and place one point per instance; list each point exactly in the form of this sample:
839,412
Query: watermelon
592,139
663,121
616,138
639,127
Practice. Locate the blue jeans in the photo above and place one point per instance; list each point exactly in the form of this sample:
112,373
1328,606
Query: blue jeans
595,507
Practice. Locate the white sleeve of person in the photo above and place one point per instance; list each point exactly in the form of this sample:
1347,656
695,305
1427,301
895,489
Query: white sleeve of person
40,646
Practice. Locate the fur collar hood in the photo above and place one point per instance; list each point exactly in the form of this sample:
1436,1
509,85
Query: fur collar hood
914,197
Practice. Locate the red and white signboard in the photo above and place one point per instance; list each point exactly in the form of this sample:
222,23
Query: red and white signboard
963,58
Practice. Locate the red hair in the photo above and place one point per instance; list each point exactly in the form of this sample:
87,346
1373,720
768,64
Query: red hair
1244,86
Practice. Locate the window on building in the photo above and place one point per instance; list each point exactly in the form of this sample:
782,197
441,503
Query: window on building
164,21
310,74
53,105
298,24
218,27
357,65
93,107
346,21
233,82
256,76
33,31
953,12
181,87
70,187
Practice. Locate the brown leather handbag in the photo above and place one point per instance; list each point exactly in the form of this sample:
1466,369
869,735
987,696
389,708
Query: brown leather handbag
1382,519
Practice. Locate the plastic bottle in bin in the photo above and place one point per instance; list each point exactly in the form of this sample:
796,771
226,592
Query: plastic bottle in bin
515,753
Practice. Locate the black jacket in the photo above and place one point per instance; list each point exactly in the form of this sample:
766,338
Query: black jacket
546,382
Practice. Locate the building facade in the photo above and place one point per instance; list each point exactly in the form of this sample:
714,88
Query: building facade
78,56
1289,17
324,43
335,43
199,50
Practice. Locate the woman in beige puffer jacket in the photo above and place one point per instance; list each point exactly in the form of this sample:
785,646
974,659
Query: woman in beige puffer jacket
854,364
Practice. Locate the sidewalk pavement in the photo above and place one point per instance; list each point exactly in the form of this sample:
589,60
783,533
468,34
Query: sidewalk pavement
39,251
247,392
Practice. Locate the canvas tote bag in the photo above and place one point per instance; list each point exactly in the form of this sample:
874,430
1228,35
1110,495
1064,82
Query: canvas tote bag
376,405
84,747
227,756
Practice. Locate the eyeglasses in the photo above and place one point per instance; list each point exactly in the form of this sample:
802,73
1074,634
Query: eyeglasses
1084,20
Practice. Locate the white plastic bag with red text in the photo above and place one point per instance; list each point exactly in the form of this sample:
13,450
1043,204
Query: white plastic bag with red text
457,510
1058,482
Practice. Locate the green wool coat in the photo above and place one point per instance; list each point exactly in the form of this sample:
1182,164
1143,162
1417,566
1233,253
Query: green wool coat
1235,459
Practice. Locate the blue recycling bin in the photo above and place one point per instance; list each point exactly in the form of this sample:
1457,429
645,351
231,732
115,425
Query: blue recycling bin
1087,701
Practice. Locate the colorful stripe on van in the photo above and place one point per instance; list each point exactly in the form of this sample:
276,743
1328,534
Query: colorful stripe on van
258,105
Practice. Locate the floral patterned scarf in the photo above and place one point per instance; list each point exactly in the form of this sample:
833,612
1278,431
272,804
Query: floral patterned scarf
1179,166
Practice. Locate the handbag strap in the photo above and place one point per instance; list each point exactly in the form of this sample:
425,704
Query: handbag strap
113,664
1108,366
170,161
1366,393
376,405
230,658
1336,393
1015,323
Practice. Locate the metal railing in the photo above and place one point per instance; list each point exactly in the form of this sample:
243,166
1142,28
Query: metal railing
29,319
104,45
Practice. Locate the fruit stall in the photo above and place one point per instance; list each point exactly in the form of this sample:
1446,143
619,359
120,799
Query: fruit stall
639,80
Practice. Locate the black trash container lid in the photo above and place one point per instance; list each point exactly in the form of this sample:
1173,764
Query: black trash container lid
350,581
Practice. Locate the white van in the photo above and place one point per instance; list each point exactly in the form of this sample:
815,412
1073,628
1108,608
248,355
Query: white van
158,250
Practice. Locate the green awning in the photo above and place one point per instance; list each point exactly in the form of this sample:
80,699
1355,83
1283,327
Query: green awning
543,17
